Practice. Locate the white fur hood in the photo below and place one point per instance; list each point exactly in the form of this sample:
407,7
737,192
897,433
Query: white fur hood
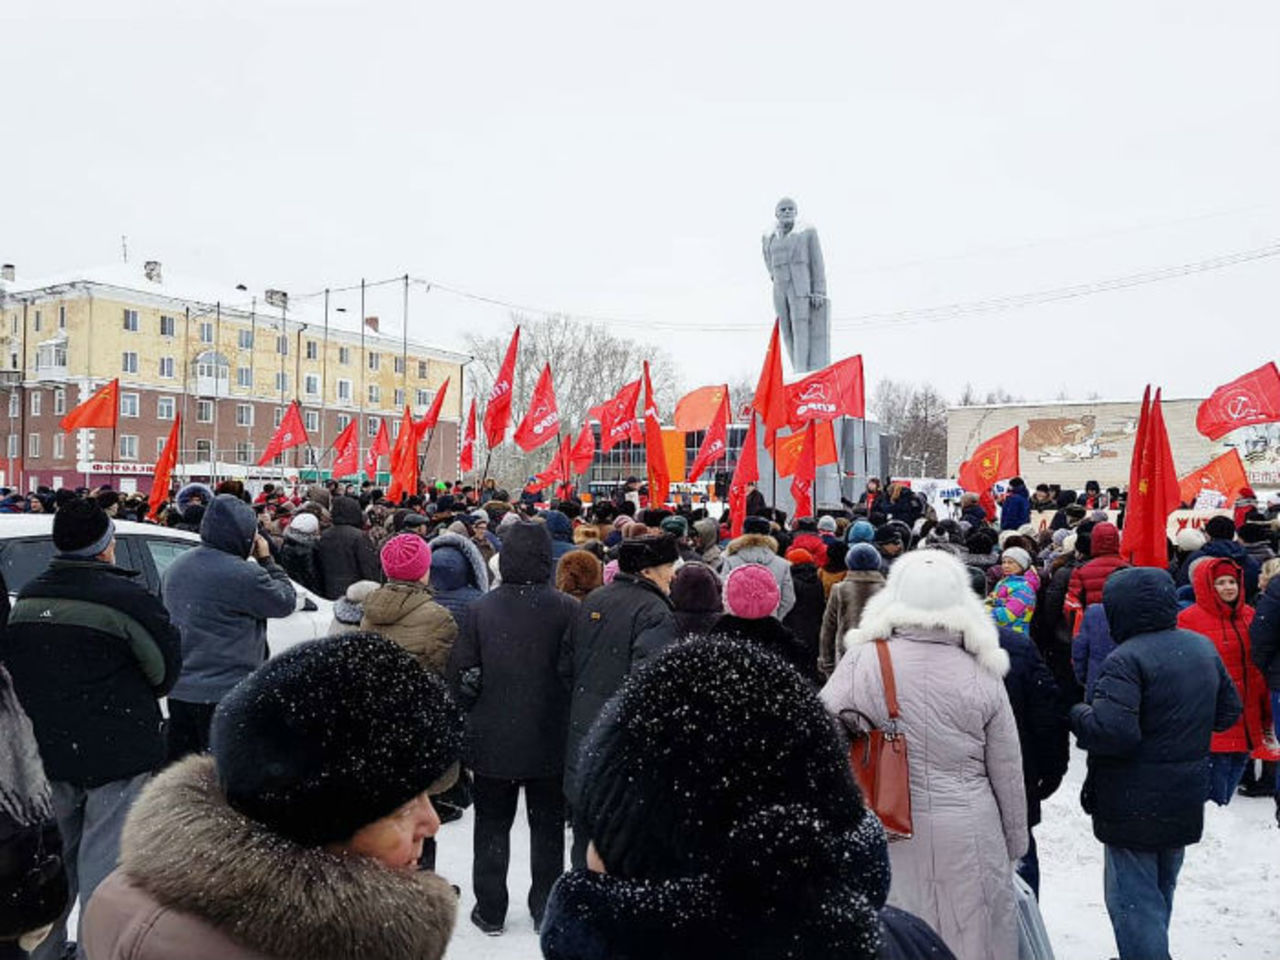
929,589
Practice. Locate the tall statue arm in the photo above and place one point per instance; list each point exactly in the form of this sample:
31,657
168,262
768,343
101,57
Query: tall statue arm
764,249
817,270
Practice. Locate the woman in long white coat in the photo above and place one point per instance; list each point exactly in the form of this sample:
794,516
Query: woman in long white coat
968,803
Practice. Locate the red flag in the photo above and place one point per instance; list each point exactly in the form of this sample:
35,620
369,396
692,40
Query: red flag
747,471
542,420
655,456
993,460
716,442
1225,474
617,417
697,409
164,470
1249,399
432,416
786,450
466,458
346,451
584,450
497,411
404,460
291,433
556,470
100,410
806,474
834,391
381,447
770,400
1140,439
1143,542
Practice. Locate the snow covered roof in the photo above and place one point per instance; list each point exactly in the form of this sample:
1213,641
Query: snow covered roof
182,288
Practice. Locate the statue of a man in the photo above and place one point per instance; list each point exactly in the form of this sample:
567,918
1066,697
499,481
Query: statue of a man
794,258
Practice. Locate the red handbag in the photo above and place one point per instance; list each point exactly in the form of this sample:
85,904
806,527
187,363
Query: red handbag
878,757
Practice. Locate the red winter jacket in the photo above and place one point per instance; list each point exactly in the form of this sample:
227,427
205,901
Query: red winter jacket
1228,628
1088,579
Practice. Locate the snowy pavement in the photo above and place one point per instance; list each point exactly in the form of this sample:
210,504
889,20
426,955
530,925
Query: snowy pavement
1227,906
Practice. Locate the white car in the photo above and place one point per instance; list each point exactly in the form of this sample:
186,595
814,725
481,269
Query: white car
26,547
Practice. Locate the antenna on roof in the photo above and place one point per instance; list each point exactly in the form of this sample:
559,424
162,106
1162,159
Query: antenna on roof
124,247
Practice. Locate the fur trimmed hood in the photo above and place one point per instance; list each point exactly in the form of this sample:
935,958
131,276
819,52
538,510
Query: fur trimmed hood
929,589
749,540
186,848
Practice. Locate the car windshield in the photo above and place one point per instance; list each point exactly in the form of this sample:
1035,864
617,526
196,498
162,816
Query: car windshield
22,560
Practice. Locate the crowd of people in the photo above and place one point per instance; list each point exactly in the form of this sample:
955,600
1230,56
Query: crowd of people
683,699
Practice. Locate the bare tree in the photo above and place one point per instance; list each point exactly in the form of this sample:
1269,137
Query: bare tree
915,416
588,364
969,397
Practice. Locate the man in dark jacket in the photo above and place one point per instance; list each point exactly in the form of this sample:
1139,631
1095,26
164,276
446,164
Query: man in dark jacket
618,628
91,651
346,552
504,670
1161,695
1016,508
1264,643
220,602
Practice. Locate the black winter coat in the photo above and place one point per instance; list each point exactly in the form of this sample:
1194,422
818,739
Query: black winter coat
347,553
1264,634
300,560
1042,721
91,651
769,634
1161,695
504,667
617,629
804,620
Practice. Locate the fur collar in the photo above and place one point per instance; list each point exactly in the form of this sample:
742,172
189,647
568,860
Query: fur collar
748,540
185,846
930,590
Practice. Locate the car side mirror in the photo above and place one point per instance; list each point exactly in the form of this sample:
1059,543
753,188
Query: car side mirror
309,606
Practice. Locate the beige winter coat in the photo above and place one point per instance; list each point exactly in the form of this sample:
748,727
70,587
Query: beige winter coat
405,613
200,881
844,610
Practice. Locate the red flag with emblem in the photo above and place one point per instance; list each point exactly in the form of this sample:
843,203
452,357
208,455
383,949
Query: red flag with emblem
1153,496
1247,400
805,475
1225,474
747,471
993,460
834,391
381,447
617,417
100,410
542,420
346,450
655,455
584,449
497,409
716,442
466,458
164,469
786,449
432,416
291,433
770,399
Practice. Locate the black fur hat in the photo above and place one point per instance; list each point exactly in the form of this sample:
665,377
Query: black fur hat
639,553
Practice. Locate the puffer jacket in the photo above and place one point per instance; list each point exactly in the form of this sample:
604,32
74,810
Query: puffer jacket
762,549
1091,647
459,576
561,529
1228,628
1160,697
1013,602
1040,718
300,558
1088,579
1230,550
271,900
407,614
844,610
1015,511
1264,634
347,553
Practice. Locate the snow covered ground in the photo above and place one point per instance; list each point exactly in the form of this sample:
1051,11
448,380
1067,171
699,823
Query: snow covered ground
1227,906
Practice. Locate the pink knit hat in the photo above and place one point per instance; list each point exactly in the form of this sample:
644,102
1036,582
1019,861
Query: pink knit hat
406,557
751,592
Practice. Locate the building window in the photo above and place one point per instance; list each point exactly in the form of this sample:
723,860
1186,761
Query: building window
395,429
204,411
309,457
313,349
59,402
344,355
165,407
128,405
131,320
129,362
204,449
344,419
33,445
52,355
206,331
371,427
36,321
399,398
128,447
311,384
36,402
279,417
167,326
244,415
311,420
214,369
282,345
398,364
424,398
344,391
422,369
246,339
62,323
59,446
282,381
244,377
166,368
375,360
375,394
14,400
244,451
13,361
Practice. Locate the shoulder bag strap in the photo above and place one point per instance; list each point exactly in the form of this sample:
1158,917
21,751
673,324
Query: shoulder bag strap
886,675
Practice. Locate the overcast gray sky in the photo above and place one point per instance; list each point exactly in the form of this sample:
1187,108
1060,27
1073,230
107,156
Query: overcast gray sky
624,163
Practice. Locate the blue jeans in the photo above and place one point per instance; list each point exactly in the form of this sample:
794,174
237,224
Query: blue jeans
1139,892
1225,771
